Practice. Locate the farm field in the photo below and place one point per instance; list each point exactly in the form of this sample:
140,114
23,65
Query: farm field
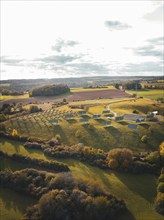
98,94
138,191
13,97
90,89
150,93
74,96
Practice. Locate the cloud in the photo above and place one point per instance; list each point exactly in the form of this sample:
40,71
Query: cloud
156,15
88,67
116,25
149,50
58,59
60,44
154,48
11,61
157,40
145,68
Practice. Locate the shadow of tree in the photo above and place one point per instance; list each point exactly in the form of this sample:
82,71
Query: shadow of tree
145,185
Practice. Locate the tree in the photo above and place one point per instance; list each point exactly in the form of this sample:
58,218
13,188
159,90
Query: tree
14,132
120,158
133,86
34,108
117,86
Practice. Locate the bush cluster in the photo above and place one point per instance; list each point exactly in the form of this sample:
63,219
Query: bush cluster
90,155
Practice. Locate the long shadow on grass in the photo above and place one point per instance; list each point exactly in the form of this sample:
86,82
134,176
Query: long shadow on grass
112,130
142,184
94,133
83,169
58,130
13,200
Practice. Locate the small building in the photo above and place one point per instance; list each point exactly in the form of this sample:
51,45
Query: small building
96,116
132,126
134,117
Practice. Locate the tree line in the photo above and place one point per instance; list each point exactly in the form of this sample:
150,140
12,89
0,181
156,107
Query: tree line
48,165
50,90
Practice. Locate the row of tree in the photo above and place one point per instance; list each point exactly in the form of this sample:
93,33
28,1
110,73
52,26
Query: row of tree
129,86
48,165
11,92
120,159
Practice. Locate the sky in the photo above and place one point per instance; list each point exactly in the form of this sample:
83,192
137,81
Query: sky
57,39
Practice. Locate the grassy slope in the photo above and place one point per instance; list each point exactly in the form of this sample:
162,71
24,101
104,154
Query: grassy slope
99,136
142,105
138,191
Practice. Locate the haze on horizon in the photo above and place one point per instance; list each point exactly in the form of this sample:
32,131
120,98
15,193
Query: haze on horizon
57,39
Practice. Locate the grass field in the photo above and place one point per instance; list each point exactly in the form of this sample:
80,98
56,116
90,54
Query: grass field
138,191
8,97
142,105
149,93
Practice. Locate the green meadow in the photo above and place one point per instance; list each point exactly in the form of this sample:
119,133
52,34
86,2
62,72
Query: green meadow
138,191
149,93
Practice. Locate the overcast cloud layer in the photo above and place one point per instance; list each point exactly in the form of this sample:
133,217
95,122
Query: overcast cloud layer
69,39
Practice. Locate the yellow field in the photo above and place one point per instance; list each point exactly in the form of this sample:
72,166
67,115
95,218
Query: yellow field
90,89
8,97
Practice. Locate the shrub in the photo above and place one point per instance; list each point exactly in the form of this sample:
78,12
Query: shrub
144,139
34,108
2,118
153,158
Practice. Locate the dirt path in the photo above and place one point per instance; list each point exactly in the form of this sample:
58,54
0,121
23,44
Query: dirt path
114,113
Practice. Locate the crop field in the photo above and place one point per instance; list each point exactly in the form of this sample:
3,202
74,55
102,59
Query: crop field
90,89
138,191
13,97
149,93
74,96
98,94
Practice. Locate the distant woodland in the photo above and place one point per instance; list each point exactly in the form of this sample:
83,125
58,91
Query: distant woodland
50,90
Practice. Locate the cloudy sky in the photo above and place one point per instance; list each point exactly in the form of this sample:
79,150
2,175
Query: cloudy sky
49,39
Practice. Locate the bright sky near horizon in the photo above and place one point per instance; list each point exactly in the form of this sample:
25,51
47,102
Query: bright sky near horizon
53,39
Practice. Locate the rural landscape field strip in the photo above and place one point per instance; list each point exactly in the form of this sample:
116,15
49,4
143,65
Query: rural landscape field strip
74,96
